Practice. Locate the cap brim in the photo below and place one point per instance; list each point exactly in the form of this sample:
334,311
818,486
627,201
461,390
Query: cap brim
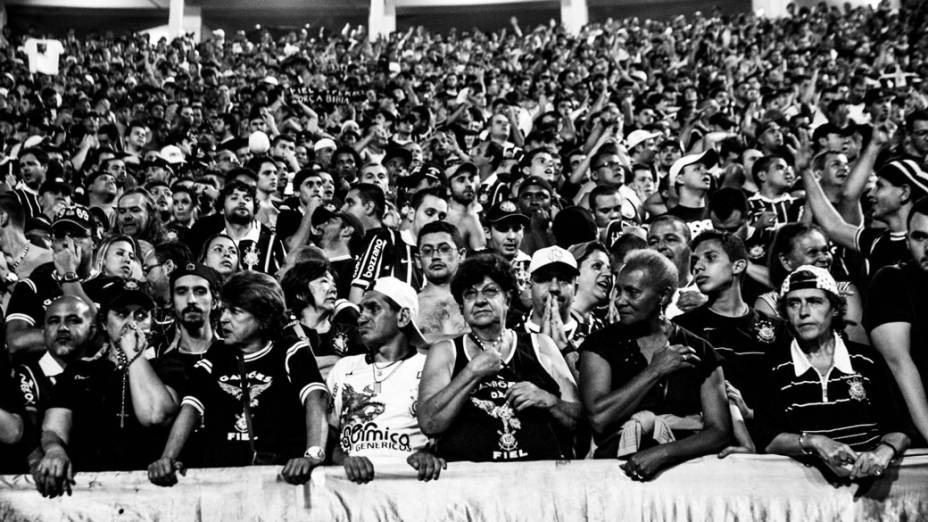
572,269
521,218
70,224
131,297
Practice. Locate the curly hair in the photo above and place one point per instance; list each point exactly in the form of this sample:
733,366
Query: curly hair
260,295
474,269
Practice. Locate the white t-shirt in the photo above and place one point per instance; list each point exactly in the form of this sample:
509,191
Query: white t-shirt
43,55
382,426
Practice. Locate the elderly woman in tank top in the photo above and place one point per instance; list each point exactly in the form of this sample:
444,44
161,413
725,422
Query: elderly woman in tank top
495,394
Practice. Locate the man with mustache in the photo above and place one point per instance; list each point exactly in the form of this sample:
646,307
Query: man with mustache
138,217
259,247
462,211
259,402
895,318
441,250
68,331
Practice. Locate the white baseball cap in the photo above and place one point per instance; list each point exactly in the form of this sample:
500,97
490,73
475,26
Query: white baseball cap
405,296
635,137
552,255
707,157
172,154
324,143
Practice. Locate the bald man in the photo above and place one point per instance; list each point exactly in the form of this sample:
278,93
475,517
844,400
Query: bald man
68,330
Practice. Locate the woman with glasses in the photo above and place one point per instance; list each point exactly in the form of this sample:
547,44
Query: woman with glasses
495,394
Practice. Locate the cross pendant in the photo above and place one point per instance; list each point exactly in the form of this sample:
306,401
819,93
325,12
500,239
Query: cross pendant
122,416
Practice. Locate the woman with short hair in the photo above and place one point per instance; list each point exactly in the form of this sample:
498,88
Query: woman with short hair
495,394
653,392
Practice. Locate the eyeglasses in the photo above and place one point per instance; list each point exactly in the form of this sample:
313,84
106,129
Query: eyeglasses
444,250
149,268
488,292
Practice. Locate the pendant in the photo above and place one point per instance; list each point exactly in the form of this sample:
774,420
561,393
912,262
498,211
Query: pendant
376,388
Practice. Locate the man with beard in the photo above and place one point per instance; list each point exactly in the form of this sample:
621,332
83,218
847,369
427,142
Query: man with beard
462,212
895,319
73,235
259,402
68,332
33,167
158,265
340,236
137,216
259,248
384,252
102,192
441,250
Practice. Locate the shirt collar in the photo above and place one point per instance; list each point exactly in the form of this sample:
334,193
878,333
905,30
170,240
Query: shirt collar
842,358
254,233
50,367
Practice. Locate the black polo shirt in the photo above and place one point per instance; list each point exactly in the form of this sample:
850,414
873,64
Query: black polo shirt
852,404
676,394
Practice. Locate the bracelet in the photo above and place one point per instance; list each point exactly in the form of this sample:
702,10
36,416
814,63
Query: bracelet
134,358
890,446
802,444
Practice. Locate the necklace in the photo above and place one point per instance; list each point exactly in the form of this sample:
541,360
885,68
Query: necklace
375,370
122,366
14,268
493,344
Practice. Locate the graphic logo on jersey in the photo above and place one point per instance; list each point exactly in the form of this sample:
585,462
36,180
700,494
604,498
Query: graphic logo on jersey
360,432
856,389
340,342
251,257
254,391
757,252
508,442
765,331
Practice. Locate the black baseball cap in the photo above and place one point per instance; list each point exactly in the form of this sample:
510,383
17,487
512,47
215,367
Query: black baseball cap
209,274
505,211
75,219
118,293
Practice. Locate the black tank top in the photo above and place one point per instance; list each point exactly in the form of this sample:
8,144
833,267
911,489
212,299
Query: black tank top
487,429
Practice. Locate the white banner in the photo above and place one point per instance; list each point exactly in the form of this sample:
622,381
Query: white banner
740,487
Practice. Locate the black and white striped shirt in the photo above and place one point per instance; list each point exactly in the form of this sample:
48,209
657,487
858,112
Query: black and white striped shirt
852,403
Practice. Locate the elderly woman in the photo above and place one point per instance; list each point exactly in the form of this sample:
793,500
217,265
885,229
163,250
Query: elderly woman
830,399
221,254
495,394
797,244
653,392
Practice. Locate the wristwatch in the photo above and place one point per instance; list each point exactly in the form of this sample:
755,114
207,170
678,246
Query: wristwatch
68,277
315,453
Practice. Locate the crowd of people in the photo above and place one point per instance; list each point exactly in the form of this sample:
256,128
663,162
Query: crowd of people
651,241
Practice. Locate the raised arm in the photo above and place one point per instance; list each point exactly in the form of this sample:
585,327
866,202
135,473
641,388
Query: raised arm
441,397
839,230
